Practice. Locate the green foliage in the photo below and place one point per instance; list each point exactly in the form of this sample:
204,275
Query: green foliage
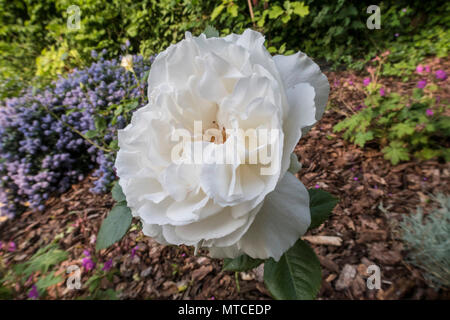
427,239
297,276
294,165
395,152
321,204
47,281
211,32
117,193
6,293
241,263
108,294
115,226
42,261
36,45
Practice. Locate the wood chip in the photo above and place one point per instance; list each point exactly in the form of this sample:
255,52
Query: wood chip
324,240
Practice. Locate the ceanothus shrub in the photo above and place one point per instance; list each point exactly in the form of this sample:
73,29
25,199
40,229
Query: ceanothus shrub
41,149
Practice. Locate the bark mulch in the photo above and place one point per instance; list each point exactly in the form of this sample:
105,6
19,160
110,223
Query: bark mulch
360,178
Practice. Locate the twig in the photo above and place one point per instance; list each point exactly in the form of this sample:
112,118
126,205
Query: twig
250,8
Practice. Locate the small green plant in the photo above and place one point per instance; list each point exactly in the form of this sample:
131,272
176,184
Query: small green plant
402,125
42,263
427,238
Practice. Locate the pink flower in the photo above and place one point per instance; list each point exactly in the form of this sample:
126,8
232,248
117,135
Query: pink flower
366,81
396,35
429,112
86,253
422,84
355,178
419,68
404,9
382,92
350,82
427,68
441,75
336,83
108,265
33,293
12,247
317,186
88,264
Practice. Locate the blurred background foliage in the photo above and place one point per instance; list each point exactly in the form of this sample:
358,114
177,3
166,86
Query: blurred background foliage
35,42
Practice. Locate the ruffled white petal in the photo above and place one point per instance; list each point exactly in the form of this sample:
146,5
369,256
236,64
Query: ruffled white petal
299,68
282,220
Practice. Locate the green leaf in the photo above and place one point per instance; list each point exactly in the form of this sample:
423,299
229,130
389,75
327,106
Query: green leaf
44,282
132,105
403,129
241,263
275,12
42,260
297,276
294,166
321,204
6,293
114,227
217,10
91,134
300,9
114,144
395,152
210,32
100,123
117,192
362,137
233,10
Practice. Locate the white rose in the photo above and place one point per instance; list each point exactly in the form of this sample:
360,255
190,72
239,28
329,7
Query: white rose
231,208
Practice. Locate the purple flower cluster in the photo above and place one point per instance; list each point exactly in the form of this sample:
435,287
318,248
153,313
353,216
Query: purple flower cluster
41,154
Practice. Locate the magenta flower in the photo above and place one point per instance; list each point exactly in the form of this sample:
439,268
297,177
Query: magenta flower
88,264
86,253
359,107
429,112
12,247
355,178
133,251
441,75
421,84
33,293
108,265
317,186
382,92
350,82
419,68
366,81
336,83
